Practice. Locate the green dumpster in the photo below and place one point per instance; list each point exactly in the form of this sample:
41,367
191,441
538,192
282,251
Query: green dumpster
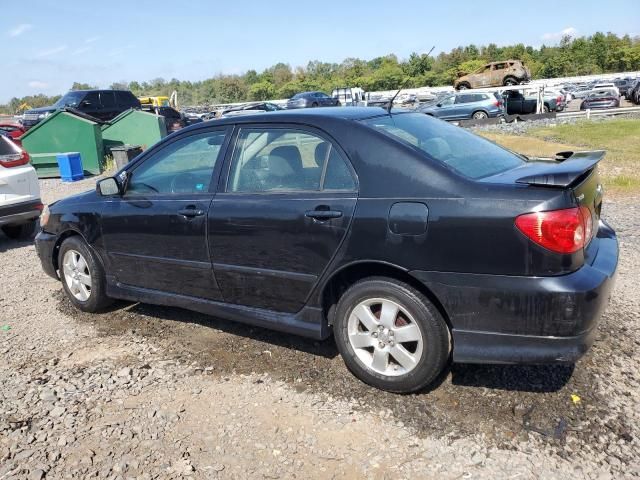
133,127
64,132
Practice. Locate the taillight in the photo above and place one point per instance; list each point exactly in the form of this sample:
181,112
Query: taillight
498,103
561,231
14,159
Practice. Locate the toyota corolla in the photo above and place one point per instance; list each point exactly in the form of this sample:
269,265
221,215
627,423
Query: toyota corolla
413,242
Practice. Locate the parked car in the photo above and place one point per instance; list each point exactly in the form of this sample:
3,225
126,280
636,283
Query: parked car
465,106
517,103
607,85
623,85
495,74
633,94
101,104
604,98
410,240
312,99
13,130
20,204
254,107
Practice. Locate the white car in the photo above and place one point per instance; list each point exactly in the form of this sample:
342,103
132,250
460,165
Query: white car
607,85
20,203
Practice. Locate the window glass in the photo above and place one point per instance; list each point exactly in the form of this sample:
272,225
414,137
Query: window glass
92,100
273,160
455,147
107,99
184,166
338,176
448,100
125,99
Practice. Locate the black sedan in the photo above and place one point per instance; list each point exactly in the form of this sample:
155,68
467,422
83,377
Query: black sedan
311,100
412,241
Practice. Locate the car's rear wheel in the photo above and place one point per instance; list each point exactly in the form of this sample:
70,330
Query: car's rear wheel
480,115
390,335
510,81
463,86
82,275
545,108
23,231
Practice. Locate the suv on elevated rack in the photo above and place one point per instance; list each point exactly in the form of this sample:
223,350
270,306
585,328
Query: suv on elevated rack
495,74
101,104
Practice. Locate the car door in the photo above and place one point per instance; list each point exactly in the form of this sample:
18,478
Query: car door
90,104
445,108
155,234
108,103
287,204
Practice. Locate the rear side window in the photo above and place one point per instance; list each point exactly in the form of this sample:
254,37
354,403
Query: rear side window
285,160
464,152
107,99
126,100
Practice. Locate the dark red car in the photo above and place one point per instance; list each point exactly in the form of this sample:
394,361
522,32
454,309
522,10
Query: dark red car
12,130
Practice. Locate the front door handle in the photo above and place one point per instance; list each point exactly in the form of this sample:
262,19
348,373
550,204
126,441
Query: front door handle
323,214
191,212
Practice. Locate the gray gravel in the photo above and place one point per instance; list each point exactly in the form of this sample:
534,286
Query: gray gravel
151,392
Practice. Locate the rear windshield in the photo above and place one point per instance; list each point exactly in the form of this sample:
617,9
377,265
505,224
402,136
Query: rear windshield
466,153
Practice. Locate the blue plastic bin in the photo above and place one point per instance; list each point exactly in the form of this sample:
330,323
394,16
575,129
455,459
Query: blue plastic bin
70,165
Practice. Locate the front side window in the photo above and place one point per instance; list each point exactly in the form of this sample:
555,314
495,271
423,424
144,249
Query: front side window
464,152
285,160
183,167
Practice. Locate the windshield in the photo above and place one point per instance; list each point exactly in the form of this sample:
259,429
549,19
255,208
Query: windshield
71,99
466,153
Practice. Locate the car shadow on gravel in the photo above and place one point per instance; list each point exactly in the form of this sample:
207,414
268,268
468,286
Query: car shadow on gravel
7,243
522,378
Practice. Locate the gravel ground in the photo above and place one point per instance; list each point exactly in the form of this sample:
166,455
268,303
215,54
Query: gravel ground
147,392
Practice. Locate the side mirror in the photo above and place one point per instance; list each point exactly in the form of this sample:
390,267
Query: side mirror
108,187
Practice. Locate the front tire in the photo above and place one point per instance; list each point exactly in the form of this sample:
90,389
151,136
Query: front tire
82,276
23,231
390,335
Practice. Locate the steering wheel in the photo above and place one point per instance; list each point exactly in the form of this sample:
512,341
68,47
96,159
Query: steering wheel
183,183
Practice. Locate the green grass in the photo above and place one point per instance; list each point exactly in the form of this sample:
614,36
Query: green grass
620,138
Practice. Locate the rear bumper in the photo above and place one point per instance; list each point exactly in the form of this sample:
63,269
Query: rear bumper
510,319
19,213
45,245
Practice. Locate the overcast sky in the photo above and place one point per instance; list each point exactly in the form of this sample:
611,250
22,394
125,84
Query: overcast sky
47,45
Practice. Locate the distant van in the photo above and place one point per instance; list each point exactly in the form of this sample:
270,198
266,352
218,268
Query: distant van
348,96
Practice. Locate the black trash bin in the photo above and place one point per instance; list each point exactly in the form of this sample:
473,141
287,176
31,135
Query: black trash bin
124,154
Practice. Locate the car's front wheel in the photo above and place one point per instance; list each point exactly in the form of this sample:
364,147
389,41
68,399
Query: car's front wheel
82,275
390,335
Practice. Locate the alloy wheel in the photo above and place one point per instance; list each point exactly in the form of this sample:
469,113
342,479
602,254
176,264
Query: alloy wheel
77,275
385,337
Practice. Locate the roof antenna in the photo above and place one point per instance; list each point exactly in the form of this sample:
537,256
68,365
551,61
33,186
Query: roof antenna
404,84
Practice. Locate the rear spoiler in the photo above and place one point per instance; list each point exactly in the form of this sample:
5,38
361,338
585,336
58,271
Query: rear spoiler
567,168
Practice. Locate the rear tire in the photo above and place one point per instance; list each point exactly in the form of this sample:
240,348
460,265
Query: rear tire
314,105
510,81
23,231
545,108
463,86
480,115
390,335
82,276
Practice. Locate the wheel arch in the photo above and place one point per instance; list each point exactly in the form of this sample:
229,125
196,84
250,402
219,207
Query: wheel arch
70,232
342,279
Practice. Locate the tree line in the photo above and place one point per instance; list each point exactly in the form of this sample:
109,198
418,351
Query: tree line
587,55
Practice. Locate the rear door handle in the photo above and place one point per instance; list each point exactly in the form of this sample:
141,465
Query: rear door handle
191,212
323,214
